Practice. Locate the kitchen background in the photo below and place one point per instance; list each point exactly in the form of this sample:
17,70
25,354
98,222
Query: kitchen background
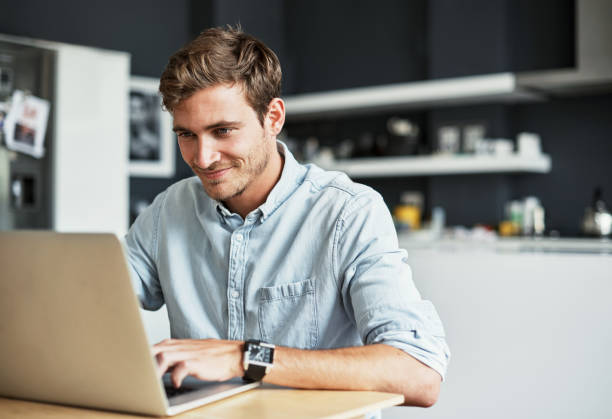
525,319
326,46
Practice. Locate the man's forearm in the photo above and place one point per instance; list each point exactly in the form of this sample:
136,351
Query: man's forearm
373,367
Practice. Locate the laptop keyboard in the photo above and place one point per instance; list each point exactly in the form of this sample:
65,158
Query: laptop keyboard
171,391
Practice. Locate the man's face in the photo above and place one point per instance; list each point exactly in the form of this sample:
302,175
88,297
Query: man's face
222,140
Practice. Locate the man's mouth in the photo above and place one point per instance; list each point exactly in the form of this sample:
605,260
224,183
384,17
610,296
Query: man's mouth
214,174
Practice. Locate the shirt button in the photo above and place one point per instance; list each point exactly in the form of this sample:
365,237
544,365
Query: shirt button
235,294
238,237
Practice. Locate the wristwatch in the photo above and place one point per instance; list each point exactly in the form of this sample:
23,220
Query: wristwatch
257,359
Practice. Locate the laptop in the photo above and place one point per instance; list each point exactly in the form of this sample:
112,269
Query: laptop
72,333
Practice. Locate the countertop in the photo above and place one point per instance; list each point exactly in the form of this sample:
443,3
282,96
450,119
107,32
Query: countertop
492,243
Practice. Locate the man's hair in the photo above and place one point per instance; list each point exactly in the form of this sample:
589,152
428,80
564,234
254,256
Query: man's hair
223,56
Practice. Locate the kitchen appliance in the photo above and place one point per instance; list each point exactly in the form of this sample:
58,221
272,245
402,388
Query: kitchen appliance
25,181
597,219
403,137
77,180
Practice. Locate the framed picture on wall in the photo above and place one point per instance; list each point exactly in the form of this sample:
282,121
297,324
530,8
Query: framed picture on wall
151,138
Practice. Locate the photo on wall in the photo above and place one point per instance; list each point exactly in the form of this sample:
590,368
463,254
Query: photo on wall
151,138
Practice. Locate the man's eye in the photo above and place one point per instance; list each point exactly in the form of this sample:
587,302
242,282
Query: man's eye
184,135
223,132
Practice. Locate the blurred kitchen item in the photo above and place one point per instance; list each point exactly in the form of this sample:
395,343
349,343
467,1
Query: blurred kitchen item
6,215
345,149
407,214
438,220
364,147
311,148
471,135
529,144
324,157
503,147
3,113
539,224
525,217
6,80
403,137
449,139
506,228
484,147
597,219
515,215
531,205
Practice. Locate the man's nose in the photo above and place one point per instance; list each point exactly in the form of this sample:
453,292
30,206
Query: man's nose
206,153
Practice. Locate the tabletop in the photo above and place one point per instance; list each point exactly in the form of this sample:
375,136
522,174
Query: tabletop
258,403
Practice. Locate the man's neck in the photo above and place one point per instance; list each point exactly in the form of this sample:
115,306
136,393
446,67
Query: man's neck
257,191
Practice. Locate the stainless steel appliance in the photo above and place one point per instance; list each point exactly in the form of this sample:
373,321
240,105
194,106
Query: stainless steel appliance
26,184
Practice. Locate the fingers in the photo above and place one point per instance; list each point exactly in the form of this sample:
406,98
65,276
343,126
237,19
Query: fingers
207,359
169,359
181,370
160,346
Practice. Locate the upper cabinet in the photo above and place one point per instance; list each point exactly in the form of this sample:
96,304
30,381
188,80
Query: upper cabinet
471,37
345,44
400,55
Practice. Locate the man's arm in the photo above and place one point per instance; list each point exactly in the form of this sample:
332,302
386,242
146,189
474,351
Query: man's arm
371,367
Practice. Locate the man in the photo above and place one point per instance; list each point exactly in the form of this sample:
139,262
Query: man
258,246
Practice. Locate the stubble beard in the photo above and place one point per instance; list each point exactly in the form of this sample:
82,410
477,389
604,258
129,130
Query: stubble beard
255,164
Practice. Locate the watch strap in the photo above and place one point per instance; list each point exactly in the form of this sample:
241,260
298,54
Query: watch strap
254,372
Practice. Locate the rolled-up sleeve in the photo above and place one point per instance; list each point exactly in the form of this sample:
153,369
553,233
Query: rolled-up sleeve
377,287
141,249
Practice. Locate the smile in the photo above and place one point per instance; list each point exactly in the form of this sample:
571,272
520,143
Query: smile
216,174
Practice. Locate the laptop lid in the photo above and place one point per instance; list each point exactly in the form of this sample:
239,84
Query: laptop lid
71,328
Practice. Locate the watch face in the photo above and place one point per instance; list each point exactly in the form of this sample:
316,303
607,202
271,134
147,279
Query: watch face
260,354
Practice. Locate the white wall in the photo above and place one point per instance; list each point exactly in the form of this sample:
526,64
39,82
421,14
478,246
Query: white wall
91,186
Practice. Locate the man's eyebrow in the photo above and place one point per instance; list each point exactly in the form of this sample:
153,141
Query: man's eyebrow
212,126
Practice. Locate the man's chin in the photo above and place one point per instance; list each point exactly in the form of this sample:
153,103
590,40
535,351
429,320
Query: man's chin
222,194
217,191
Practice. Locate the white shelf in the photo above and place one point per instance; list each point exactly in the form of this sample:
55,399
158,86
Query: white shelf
439,165
490,88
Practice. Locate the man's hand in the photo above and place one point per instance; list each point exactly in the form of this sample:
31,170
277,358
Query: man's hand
206,359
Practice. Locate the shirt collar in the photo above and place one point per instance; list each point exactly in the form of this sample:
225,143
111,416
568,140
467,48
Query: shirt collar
292,176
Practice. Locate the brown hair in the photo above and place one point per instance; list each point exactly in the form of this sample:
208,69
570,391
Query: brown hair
223,55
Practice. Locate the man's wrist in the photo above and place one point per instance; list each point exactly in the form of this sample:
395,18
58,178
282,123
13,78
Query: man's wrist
240,361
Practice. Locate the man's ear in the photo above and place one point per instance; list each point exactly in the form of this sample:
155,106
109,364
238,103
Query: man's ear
275,118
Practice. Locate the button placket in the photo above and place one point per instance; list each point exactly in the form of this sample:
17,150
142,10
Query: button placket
235,303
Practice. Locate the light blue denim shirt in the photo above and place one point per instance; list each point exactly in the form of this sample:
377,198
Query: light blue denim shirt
316,266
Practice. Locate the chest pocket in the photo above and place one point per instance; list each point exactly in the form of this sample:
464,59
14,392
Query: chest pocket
288,315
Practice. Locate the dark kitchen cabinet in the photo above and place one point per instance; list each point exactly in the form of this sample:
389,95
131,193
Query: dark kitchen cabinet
342,43
472,37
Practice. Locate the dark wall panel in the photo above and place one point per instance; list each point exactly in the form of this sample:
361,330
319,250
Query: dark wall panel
470,37
466,37
471,199
541,34
151,30
347,43
262,19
